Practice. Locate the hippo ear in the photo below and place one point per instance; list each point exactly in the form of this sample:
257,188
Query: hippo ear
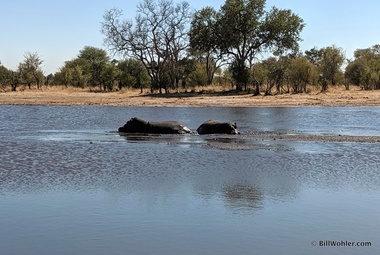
235,126
136,119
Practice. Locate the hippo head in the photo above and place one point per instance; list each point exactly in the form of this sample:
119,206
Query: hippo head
228,128
134,125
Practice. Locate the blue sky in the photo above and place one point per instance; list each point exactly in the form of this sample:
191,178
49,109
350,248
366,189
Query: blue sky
58,30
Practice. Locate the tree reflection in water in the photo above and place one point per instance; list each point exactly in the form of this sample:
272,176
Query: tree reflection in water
241,197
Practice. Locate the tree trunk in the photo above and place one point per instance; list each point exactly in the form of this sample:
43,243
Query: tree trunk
209,72
324,85
278,88
209,80
257,89
347,84
14,86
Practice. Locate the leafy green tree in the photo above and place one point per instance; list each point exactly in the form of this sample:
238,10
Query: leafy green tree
59,78
91,68
187,67
198,77
314,56
365,69
358,73
225,78
301,72
203,43
276,73
244,29
49,79
108,76
271,72
96,62
5,77
74,73
259,76
332,59
133,74
15,77
328,62
30,71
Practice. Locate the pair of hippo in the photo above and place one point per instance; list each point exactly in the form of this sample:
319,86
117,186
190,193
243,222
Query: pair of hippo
137,125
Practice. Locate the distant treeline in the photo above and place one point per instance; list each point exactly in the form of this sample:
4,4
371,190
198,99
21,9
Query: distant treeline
169,47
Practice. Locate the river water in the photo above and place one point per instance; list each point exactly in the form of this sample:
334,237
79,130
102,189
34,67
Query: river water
70,184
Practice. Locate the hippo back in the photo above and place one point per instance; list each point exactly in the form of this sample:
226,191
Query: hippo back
137,125
168,127
217,127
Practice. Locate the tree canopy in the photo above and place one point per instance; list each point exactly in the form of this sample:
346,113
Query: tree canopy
93,67
30,71
243,28
203,43
365,68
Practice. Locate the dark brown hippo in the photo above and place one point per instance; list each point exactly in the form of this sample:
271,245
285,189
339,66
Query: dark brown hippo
217,127
137,125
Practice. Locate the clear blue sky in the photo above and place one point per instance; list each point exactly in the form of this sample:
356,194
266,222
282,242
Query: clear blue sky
58,30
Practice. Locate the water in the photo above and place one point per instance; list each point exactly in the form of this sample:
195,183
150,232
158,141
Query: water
70,184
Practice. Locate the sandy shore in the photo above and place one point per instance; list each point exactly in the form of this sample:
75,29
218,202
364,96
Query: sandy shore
333,97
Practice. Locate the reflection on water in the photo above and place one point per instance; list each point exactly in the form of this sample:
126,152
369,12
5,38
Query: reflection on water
243,198
70,183
224,142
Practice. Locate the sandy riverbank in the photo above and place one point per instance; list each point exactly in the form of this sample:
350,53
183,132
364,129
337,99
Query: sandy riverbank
337,96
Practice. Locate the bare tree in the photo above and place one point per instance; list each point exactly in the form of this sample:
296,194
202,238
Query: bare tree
158,38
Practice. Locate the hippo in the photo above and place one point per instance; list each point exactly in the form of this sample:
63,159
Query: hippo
137,125
217,127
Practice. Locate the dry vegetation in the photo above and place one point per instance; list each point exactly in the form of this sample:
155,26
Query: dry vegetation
201,96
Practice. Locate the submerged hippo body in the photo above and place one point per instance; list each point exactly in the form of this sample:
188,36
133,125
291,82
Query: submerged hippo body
217,127
137,125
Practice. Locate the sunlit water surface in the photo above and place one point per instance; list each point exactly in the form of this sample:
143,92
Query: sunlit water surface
70,184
